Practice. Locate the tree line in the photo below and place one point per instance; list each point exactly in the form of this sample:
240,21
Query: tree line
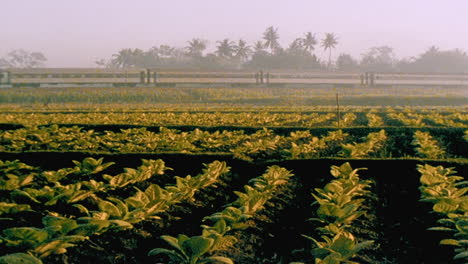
266,54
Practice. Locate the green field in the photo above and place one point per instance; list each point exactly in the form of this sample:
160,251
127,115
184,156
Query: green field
233,175
150,97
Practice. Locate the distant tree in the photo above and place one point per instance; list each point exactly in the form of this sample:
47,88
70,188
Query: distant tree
196,47
163,51
437,61
329,42
225,48
103,63
123,59
309,42
23,59
127,58
346,62
259,47
242,51
296,47
271,39
379,58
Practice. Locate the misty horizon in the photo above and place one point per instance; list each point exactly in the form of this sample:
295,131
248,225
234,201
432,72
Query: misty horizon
78,34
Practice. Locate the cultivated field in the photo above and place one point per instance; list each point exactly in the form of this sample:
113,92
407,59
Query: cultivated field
234,175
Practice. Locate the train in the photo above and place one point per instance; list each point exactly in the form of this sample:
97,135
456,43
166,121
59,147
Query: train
131,77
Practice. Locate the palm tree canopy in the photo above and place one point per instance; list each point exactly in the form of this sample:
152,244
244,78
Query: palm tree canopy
196,47
225,48
330,41
297,45
242,50
309,41
259,46
127,57
271,38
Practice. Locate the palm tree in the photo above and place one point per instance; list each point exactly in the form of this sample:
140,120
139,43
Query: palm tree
259,46
225,48
242,50
123,59
329,42
296,46
309,42
271,39
196,47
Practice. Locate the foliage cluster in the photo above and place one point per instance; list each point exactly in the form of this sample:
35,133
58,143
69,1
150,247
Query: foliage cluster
215,237
340,204
99,211
447,193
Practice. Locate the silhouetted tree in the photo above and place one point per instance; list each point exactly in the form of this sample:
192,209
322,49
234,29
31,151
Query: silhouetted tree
329,42
309,42
346,62
435,60
259,46
225,48
23,59
123,59
378,59
196,47
271,39
242,51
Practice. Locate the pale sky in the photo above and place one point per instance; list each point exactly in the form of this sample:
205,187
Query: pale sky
76,33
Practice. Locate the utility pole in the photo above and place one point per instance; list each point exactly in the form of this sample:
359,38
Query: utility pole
338,110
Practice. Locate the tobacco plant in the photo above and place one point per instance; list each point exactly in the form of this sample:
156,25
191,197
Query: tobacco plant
339,205
426,146
112,213
447,193
374,120
374,142
215,237
15,174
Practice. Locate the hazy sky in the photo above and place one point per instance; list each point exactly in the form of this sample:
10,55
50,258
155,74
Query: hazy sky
76,33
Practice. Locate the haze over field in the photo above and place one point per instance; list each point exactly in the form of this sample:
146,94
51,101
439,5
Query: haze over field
77,33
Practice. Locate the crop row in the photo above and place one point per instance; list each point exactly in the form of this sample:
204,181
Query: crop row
390,117
218,235
154,96
340,205
447,193
264,144
94,209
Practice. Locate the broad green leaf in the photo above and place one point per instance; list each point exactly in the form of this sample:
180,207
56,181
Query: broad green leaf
461,255
446,206
452,242
25,236
196,246
217,260
59,224
441,228
174,255
109,208
17,258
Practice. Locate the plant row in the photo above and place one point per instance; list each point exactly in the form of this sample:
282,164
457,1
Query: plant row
217,236
339,205
97,211
260,145
254,119
447,193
